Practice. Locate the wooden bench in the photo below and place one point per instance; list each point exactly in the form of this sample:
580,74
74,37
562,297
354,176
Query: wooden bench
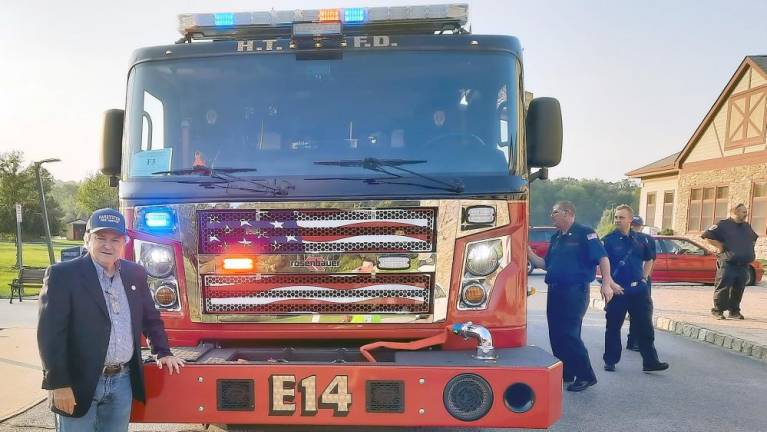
27,276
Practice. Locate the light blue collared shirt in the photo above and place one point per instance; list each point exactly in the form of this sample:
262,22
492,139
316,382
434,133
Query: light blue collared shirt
120,336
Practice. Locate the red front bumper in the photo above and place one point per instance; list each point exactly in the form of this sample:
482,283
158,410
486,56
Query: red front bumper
303,393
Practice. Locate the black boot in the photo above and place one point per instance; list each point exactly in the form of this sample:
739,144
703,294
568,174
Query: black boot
657,367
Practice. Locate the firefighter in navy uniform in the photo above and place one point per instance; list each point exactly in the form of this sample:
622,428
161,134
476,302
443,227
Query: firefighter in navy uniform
636,225
629,256
570,264
734,239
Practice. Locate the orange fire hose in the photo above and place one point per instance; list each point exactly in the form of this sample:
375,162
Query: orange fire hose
437,339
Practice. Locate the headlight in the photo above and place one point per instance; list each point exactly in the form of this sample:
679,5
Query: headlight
165,295
482,259
157,260
473,294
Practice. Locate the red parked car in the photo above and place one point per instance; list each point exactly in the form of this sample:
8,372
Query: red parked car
682,260
538,238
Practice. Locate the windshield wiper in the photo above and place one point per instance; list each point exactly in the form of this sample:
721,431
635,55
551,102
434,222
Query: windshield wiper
274,190
385,166
204,171
225,180
371,163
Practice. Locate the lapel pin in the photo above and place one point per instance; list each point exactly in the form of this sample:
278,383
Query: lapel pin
133,287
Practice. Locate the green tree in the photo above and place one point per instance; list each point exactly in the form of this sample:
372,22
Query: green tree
590,196
606,222
62,192
19,185
95,193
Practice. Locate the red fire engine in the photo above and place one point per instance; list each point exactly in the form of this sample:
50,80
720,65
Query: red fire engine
332,210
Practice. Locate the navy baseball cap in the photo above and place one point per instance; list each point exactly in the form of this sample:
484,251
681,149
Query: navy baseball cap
637,220
106,218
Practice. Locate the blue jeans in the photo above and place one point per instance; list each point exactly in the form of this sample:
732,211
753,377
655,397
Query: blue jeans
109,411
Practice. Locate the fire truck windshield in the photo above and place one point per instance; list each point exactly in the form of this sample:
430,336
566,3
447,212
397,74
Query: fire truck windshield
457,111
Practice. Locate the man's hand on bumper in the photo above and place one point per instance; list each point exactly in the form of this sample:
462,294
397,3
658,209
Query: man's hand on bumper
173,363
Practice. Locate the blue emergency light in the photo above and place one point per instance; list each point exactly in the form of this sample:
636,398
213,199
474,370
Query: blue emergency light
354,15
223,19
159,219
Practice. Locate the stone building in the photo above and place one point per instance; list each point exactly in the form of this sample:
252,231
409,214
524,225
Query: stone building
724,163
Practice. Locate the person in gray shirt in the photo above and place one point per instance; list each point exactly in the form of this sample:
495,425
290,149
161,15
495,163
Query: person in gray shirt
93,311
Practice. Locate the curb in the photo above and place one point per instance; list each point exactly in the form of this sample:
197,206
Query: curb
21,409
701,334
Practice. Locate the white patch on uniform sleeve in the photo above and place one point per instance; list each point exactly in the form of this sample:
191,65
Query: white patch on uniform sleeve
592,236
713,227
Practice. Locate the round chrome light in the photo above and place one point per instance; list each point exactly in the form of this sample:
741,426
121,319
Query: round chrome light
165,296
158,261
473,294
468,397
482,259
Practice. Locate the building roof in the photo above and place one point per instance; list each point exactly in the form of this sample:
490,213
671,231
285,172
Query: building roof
672,163
759,63
657,167
760,60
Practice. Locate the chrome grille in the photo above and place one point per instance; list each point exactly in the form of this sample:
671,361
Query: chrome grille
279,231
313,293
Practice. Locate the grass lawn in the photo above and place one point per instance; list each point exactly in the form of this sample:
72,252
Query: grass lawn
35,255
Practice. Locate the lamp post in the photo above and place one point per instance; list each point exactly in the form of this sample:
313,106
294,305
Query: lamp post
45,210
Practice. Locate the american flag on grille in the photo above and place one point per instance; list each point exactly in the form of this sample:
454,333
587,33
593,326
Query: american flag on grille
360,293
316,231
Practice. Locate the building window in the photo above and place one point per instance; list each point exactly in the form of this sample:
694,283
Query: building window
722,205
707,206
649,219
668,210
759,208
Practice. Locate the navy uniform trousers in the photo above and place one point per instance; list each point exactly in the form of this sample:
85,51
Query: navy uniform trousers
639,305
630,340
566,305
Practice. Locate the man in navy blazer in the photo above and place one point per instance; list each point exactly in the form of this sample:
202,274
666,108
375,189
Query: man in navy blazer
93,310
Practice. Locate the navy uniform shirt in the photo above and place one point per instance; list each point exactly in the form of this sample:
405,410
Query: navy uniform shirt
627,253
650,241
573,256
738,240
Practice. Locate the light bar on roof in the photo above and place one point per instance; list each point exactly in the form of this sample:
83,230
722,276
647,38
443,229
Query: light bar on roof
355,15
223,19
330,15
400,19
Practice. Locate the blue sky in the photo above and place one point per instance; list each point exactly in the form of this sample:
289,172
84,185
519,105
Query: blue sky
634,78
